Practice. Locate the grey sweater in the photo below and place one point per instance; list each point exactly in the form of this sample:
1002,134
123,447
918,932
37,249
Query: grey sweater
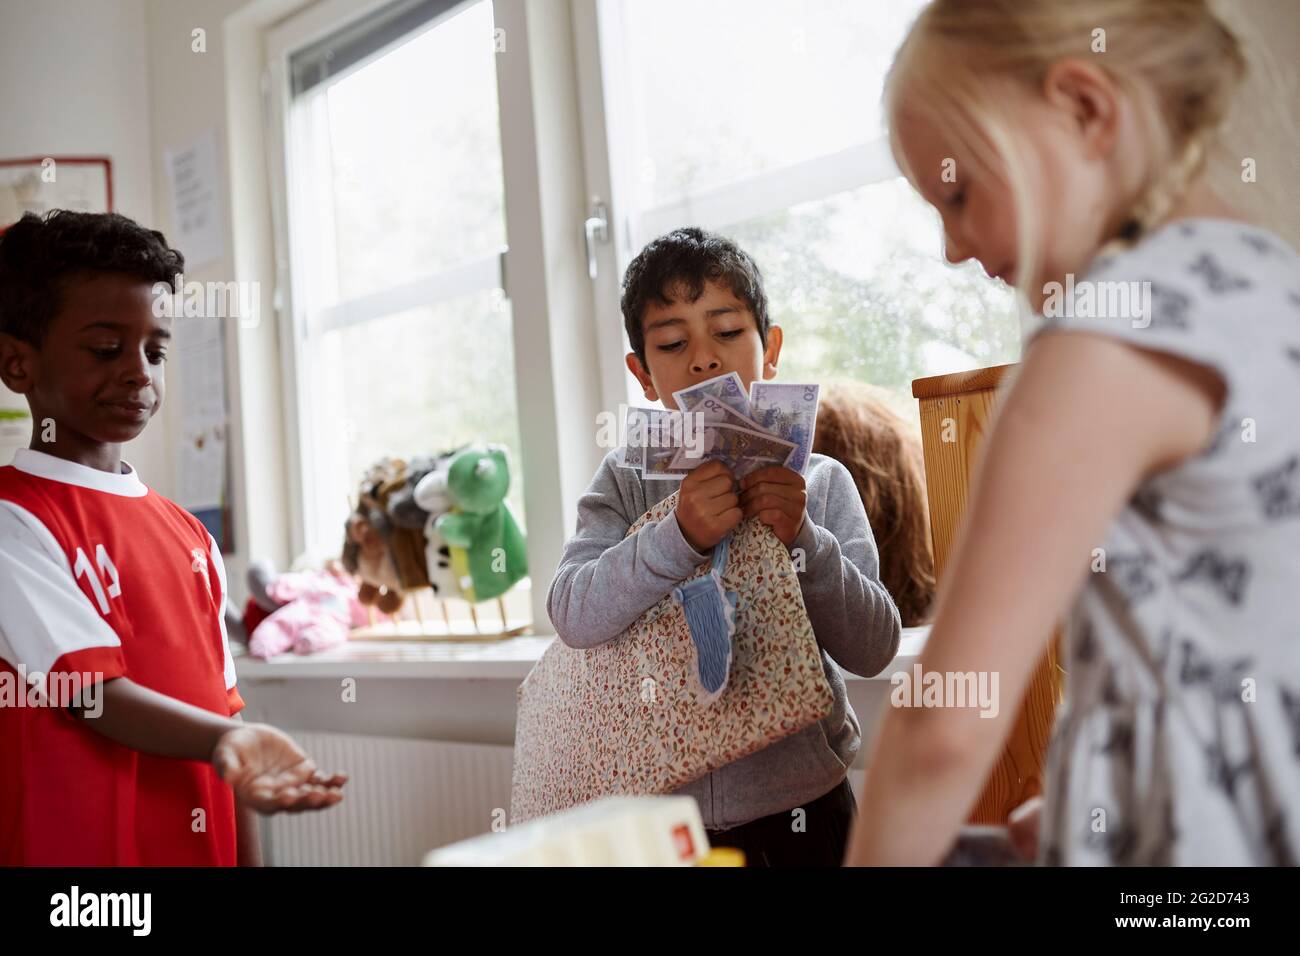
605,581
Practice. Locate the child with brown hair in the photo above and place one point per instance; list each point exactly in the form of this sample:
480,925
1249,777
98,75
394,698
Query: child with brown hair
694,308
858,428
124,744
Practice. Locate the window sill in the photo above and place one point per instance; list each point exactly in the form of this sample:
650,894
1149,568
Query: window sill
509,659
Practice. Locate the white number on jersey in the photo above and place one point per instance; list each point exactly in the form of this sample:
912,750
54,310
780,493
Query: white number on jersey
106,569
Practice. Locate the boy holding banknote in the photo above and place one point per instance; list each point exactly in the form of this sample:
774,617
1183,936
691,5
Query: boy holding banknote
695,312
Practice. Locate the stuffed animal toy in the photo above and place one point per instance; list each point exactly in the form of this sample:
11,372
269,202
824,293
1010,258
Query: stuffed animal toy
419,504
446,565
481,523
369,537
258,607
309,610
366,555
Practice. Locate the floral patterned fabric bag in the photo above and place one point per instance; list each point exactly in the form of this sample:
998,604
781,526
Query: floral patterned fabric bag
631,716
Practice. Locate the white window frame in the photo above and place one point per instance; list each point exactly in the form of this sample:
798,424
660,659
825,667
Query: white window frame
292,124
557,370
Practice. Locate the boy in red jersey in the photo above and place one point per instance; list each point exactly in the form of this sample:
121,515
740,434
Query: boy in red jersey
119,743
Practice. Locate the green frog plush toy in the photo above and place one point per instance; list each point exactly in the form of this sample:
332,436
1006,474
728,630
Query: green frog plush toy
480,522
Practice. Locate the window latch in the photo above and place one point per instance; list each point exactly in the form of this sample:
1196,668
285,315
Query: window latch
595,229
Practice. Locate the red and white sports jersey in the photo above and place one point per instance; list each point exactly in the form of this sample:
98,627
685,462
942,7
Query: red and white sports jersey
99,575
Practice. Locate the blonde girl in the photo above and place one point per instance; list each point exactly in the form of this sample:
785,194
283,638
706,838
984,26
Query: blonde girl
1143,476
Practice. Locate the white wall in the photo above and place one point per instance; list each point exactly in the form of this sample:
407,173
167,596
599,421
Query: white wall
1264,125
120,78
191,93
74,80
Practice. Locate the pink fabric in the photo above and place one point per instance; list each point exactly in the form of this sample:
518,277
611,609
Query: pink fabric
319,610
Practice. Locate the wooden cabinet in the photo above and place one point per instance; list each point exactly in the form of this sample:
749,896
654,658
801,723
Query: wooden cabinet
957,411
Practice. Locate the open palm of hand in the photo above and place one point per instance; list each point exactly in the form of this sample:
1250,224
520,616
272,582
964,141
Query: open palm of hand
271,773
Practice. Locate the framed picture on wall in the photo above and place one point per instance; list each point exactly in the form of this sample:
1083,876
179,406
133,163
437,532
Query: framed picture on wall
41,183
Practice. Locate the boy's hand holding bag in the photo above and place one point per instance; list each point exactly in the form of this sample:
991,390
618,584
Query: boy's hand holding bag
632,716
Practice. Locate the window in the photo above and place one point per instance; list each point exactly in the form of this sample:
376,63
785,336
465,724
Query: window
763,119
758,118
396,229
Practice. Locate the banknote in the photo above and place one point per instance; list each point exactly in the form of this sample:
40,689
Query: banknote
637,425
658,433
728,389
659,464
789,412
742,450
714,410
773,425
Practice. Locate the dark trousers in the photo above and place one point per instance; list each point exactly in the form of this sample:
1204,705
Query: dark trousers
782,840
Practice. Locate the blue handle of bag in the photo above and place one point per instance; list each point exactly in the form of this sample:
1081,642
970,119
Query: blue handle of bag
711,622
721,551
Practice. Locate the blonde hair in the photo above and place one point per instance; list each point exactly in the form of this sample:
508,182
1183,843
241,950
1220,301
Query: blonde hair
1179,62
857,426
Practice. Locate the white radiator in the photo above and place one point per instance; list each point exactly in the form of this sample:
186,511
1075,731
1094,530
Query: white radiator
403,798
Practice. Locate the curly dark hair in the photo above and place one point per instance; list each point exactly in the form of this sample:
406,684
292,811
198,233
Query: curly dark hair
684,260
38,254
